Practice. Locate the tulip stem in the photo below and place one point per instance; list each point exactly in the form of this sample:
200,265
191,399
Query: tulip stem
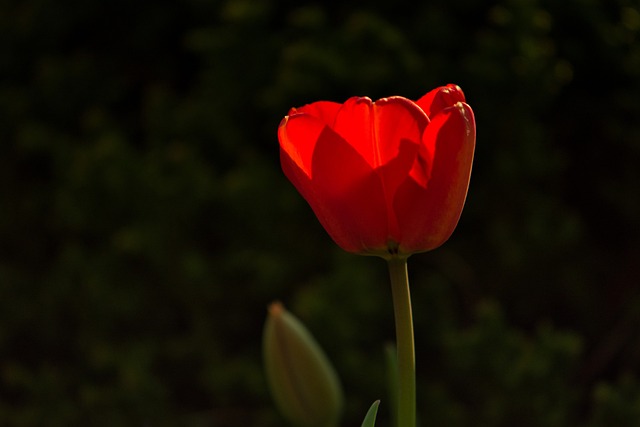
406,405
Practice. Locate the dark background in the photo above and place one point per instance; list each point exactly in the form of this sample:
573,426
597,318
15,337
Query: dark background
145,224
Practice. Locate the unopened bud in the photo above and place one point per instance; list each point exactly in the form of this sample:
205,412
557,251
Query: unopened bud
302,381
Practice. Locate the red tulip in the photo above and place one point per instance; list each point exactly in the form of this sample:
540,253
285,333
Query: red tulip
384,178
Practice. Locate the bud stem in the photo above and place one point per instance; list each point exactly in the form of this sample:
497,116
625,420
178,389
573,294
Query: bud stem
406,405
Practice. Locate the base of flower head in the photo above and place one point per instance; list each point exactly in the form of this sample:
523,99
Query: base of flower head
390,251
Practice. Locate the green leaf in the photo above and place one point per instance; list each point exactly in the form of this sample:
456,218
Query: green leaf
370,418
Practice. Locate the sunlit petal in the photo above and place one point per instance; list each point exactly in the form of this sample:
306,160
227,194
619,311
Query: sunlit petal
440,98
429,215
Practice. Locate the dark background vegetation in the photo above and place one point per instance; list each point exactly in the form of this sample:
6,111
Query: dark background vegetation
145,223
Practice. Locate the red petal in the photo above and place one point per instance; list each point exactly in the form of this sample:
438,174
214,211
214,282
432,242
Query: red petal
324,110
354,123
440,98
387,134
341,188
376,130
429,215
298,135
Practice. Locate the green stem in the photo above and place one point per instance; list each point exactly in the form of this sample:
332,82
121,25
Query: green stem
406,404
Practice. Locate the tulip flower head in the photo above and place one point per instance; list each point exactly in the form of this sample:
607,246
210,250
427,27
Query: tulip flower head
386,178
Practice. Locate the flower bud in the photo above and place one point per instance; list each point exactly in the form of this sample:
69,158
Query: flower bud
302,381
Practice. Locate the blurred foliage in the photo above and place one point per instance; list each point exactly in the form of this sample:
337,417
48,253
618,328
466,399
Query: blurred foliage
145,224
